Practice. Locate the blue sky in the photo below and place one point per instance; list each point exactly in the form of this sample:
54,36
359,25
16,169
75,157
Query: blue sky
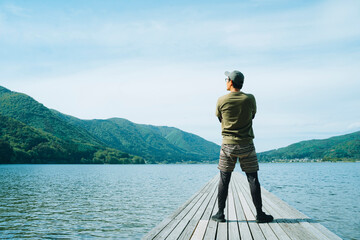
163,62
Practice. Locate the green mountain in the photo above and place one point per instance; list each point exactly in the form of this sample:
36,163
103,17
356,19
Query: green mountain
155,144
72,140
20,143
32,133
339,148
25,109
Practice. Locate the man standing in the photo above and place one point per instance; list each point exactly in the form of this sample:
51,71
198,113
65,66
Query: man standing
236,111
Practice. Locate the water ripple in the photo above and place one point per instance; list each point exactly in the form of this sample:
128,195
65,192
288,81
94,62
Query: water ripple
127,201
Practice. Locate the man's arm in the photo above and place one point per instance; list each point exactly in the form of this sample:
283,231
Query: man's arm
254,107
218,112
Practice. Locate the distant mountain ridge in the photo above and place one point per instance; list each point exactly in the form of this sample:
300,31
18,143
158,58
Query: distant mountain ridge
339,148
32,133
20,143
154,143
112,140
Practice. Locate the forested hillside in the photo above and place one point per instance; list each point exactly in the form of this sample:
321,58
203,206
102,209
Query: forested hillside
32,133
156,144
20,143
339,148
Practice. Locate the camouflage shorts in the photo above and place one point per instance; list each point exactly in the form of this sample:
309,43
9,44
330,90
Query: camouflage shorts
246,154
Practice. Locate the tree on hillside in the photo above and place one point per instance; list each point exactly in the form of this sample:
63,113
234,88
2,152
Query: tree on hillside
6,152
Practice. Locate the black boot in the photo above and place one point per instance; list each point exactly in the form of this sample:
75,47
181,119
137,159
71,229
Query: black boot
263,218
219,216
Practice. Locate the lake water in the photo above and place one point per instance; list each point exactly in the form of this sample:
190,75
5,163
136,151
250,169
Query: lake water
127,201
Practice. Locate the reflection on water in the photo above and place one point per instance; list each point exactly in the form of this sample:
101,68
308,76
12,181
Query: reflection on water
126,201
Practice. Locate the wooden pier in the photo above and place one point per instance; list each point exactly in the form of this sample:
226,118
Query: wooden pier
193,219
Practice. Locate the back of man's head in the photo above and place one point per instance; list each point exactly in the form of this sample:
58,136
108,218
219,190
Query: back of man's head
236,77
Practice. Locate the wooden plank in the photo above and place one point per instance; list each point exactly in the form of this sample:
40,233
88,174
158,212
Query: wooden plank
292,213
296,227
326,232
205,218
313,230
193,219
288,226
189,229
186,230
211,229
279,226
186,218
279,231
166,227
278,211
233,229
242,223
200,230
222,233
293,228
212,204
155,231
166,231
173,224
289,211
254,227
265,227
210,232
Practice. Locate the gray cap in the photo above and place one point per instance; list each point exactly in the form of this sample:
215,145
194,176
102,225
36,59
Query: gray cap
235,76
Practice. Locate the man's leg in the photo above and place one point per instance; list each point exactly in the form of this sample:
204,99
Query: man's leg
222,195
255,190
226,166
223,189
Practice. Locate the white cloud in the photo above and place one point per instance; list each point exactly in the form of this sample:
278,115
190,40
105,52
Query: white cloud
15,10
293,104
354,126
328,21
318,24
301,64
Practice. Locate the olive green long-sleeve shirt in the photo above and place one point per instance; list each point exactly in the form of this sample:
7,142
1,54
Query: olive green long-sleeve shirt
236,111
